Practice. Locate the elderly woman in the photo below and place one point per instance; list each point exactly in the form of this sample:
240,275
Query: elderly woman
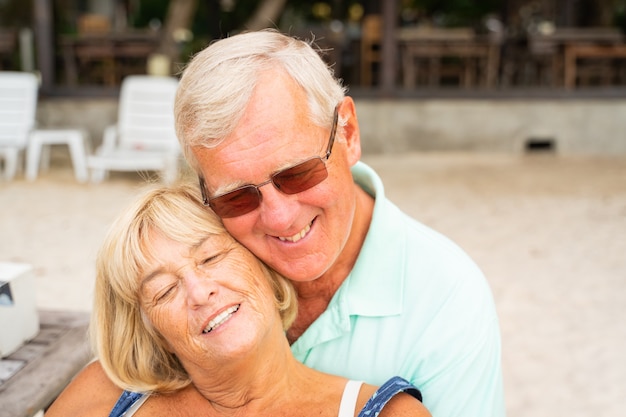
186,321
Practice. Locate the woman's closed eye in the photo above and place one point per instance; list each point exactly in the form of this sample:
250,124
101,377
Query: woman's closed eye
165,292
207,259
160,288
212,250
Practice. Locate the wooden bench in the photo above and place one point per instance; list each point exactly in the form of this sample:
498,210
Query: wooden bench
33,376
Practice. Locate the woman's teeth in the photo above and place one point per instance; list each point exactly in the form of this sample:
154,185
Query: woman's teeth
220,319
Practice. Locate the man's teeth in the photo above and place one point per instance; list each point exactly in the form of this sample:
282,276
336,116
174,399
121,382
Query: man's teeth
220,319
297,236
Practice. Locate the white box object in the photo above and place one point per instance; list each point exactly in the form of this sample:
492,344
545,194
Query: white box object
19,321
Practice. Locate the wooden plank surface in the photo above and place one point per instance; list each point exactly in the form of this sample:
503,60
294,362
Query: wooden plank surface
49,362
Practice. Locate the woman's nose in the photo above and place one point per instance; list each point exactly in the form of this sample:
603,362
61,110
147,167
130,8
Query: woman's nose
199,288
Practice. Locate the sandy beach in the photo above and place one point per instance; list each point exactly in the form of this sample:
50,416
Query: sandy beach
548,231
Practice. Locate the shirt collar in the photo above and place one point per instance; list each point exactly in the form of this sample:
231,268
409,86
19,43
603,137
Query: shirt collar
374,287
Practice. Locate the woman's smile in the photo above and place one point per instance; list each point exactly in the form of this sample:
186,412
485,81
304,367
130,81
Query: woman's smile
220,319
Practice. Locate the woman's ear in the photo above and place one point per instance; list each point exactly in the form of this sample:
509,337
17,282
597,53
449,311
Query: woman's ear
350,130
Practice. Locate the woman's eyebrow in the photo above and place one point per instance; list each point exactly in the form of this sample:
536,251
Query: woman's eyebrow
201,242
145,280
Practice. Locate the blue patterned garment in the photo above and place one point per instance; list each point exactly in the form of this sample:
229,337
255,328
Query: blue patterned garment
385,393
126,400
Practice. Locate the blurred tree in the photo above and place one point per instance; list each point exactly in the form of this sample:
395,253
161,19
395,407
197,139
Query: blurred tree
176,29
597,12
453,12
266,15
567,12
16,13
181,20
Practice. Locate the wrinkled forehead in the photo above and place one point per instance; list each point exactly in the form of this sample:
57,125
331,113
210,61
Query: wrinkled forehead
189,230
276,120
188,238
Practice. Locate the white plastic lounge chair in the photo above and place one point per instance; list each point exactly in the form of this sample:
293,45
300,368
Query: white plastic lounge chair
143,138
18,107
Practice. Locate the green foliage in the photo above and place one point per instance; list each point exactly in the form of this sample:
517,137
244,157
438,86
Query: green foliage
16,13
147,11
454,12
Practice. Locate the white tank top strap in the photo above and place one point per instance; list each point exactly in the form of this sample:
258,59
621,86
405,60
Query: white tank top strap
347,407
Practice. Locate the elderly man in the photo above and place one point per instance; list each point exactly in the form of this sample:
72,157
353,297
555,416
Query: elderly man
275,143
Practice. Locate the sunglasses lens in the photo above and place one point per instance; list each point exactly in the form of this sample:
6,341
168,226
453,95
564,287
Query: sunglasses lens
237,202
290,181
301,177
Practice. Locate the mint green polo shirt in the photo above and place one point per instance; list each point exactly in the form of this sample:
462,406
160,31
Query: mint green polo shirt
414,305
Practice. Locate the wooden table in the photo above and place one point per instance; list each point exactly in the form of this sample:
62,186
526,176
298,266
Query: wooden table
33,376
573,52
112,51
566,45
435,44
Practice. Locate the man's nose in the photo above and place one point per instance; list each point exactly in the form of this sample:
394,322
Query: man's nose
277,208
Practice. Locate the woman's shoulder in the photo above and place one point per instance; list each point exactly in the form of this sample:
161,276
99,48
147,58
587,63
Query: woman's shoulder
403,404
91,392
395,398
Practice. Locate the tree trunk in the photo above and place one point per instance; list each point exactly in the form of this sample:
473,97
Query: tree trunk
177,23
605,12
266,15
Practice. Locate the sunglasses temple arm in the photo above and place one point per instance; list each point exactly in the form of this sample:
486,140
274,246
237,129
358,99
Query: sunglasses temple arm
205,198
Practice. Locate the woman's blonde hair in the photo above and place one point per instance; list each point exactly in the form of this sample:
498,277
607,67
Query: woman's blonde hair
132,353
218,82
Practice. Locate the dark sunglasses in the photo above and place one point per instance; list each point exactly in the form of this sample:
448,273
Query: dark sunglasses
292,180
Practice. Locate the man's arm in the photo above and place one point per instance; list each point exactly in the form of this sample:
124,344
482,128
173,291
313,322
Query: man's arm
91,392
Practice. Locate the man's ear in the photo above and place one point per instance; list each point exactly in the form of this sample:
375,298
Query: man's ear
351,133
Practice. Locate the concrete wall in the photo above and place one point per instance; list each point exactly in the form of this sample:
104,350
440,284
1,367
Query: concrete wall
585,126
573,126
89,114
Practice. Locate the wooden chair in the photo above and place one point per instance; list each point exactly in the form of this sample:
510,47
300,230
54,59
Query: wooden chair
93,24
371,36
